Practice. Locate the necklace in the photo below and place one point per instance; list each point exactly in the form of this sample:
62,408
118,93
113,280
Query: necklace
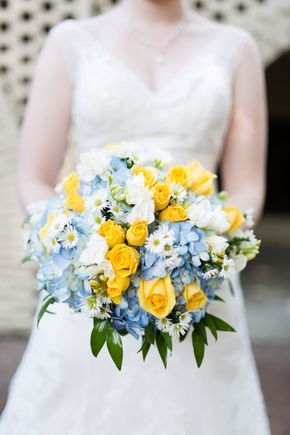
160,47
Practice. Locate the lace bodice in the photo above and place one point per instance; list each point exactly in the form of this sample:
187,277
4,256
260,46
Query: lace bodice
189,115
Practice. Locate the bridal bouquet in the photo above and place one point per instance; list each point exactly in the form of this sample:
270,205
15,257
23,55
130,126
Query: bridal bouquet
141,247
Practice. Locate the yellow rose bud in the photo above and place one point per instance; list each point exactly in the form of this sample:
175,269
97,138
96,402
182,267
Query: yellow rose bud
75,202
179,174
137,233
157,296
234,217
194,296
116,287
150,174
71,183
173,213
124,259
202,180
44,230
161,195
113,233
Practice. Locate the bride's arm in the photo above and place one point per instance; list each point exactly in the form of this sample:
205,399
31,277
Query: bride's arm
244,156
44,132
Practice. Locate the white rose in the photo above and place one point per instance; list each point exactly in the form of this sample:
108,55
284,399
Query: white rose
143,211
240,262
218,221
136,191
92,164
199,213
217,244
95,252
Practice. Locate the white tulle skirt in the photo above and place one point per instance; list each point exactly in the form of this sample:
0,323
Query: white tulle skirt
61,389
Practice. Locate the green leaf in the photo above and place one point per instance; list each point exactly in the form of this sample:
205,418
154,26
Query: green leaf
145,349
210,324
162,348
168,340
26,259
200,330
150,333
232,290
99,335
183,337
49,300
218,298
198,347
115,347
221,325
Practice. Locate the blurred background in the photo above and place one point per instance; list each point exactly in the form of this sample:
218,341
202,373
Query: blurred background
23,28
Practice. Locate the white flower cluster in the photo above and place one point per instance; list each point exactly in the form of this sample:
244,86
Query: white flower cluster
206,216
180,328
139,195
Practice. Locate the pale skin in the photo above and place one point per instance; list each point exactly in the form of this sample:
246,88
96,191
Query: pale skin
47,120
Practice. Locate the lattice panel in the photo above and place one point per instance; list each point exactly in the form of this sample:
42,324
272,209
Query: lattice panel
25,23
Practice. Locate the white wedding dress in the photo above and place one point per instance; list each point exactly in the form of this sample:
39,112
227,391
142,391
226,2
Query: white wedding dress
59,387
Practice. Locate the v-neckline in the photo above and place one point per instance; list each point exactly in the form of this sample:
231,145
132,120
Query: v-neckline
154,93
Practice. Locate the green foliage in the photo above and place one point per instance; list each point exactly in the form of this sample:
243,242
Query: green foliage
48,301
115,347
99,335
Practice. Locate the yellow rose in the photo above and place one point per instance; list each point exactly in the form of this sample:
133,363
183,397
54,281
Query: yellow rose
116,287
234,217
71,183
173,213
161,195
113,233
201,179
179,174
124,259
194,296
150,174
137,233
157,296
75,202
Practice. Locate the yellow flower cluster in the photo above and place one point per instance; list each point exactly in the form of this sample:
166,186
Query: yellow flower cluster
125,260
74,200
193,177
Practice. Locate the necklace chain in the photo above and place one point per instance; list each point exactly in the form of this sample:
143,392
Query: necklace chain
160,47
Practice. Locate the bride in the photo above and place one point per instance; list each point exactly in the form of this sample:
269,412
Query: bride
154,73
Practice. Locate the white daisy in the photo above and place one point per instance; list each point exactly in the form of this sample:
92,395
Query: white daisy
96,219
155,243
212,273
179,193
179,329
166,233
173,261
91,306
97,201
57,225
69,237
163,324
185,319
227,268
